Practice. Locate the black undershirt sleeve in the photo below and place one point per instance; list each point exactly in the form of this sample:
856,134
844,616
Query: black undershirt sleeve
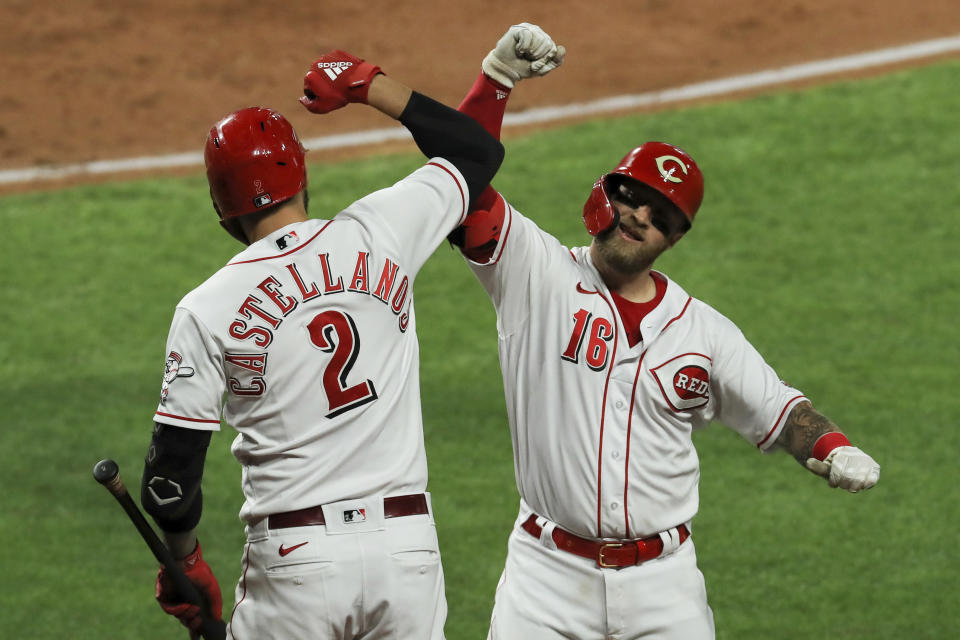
170,486
440,131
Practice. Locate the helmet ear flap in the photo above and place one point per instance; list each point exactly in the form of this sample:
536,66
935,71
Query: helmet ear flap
216,207
599,214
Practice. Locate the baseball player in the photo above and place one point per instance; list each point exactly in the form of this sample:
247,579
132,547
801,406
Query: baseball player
305,343
608,368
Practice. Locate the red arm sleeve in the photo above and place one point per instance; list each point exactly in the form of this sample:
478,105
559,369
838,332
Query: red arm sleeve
486,102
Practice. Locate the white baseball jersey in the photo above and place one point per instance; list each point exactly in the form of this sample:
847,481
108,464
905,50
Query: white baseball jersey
306,344
602,430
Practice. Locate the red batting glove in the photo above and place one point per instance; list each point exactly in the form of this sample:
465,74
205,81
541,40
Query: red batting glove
199,573
335,79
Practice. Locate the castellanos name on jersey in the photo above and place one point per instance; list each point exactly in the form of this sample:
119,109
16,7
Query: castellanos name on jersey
310,350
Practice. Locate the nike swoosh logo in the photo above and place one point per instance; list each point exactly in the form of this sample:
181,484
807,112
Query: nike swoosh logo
284,552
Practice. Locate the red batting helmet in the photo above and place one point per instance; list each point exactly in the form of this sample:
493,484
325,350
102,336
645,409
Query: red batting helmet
254,160
664,167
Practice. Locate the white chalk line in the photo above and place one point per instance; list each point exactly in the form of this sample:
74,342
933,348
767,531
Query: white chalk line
710,88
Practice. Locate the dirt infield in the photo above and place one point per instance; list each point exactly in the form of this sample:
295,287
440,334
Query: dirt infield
93,80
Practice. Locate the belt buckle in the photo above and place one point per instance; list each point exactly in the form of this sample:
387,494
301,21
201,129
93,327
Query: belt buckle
603,548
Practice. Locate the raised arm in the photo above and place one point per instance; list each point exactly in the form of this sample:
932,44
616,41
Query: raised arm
524,51
818,444
339,78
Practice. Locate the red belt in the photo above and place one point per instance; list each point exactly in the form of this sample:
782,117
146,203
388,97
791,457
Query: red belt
393,507
618,554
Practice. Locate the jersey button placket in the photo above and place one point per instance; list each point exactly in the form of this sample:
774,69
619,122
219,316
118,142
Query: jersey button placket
613,474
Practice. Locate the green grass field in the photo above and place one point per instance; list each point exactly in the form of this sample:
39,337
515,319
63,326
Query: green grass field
829,234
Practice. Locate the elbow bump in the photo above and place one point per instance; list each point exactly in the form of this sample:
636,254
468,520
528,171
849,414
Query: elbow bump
500,153
493,160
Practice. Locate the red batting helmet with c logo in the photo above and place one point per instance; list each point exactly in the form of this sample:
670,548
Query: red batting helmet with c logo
254,160
664,167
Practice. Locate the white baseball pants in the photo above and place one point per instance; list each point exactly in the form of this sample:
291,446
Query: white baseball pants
549,594
379,579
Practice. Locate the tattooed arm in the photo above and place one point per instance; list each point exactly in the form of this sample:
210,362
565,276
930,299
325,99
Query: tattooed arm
804,427
817,443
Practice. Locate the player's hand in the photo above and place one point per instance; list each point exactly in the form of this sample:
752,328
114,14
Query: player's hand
848,468
200,574
336,79
525,50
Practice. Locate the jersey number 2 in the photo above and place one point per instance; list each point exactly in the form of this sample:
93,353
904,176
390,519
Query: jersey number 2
333,331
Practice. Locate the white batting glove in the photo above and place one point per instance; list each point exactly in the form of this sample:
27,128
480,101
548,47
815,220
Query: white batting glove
524,50
545,64
848,468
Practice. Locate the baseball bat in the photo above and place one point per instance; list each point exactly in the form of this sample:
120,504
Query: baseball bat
107,473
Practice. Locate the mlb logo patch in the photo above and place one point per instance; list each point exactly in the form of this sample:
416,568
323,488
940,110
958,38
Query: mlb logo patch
262,200
351,516
287,240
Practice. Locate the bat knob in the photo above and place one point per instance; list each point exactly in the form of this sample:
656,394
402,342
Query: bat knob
105,471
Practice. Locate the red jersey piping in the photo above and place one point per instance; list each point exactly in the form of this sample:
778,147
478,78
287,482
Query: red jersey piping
463,199
171,415
780,417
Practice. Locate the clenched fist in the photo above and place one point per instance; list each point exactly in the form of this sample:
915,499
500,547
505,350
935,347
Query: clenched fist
847,467
336,79
524,50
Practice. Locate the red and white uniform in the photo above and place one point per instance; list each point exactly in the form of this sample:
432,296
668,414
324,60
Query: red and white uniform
602,435
306,344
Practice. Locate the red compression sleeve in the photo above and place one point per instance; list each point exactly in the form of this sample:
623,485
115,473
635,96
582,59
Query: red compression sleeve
486,103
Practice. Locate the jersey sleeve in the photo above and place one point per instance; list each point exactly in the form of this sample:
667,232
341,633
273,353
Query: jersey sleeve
418,212
753,401
525,257
191,395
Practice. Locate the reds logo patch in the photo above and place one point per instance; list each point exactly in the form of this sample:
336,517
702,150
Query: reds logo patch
173,369
684,381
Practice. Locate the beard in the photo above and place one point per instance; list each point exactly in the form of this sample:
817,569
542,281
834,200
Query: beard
625,257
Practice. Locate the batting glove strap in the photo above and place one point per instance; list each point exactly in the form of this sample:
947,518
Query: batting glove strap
336,79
